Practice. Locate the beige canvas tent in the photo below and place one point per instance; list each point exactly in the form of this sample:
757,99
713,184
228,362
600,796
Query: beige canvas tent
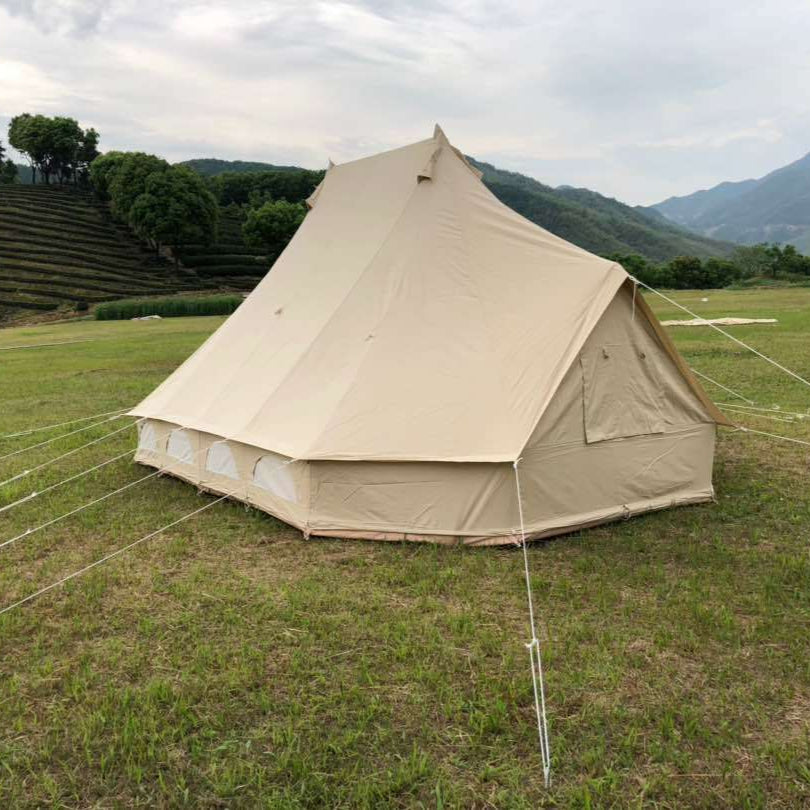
414,340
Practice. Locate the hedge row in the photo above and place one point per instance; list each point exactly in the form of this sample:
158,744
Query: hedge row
62,295
63,254
38,230
25,304
229,259
231,270
16,216
168,307
89,273
80,284
55,263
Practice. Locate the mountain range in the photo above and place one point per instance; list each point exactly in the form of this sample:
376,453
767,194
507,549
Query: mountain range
596,223
774,208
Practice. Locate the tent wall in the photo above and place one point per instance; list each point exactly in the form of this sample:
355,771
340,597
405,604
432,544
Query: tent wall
624,434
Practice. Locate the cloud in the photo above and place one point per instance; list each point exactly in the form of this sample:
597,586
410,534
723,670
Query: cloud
67,16
638,99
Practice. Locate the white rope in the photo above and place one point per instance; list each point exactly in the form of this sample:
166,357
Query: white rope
776,411
78,509
64,481
720,385
60,424
755,415
534,650
109,556
48,463
57,438
131,484
727,334
773,435
38,345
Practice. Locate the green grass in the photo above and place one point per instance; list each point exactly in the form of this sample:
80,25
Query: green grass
228,662
181,306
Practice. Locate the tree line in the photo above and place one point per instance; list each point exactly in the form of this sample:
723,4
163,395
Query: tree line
746,264
56,148
173,206
270,203
8,171
163,204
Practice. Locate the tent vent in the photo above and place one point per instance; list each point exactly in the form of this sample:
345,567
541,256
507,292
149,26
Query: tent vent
220,461
147,436
180,446
272,473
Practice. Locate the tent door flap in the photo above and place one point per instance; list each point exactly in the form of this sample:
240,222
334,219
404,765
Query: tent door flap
622,392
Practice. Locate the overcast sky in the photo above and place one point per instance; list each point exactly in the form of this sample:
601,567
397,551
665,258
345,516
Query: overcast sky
638,99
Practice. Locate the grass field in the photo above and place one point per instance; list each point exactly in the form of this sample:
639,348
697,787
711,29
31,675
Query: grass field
230,663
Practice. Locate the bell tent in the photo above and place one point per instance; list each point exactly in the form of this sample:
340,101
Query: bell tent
415,339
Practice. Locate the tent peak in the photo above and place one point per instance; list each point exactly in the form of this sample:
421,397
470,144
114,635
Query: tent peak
438,135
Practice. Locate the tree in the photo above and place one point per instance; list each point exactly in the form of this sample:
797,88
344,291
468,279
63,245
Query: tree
54,146
174,208
753,260
8,171
86,154
128,181
273,225
787,261
28,134
101,172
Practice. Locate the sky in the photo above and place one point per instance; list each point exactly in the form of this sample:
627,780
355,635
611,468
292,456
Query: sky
636,99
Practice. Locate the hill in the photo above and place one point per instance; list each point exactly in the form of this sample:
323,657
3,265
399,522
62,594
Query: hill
59,247
229,262
594,222
208,167
774,208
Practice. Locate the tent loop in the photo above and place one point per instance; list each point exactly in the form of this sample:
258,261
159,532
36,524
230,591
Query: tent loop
533,647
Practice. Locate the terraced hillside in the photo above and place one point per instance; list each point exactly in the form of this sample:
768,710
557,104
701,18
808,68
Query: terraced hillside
229,263
59,247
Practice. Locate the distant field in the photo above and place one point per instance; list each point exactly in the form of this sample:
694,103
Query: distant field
59,247
228,662
60,250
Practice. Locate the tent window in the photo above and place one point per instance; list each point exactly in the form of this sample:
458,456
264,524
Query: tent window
272,473
147,436
220,461
622,392
180,446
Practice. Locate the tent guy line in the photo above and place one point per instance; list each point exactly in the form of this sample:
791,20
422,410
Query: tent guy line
776,411
64,481
726,334
739,412
109,556
26,473
125,548
720,385
78,509
533,647
28,447
29,431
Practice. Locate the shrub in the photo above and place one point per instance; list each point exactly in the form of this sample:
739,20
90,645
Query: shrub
168,307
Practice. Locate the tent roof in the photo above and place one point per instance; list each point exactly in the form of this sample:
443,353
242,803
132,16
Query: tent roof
412,317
